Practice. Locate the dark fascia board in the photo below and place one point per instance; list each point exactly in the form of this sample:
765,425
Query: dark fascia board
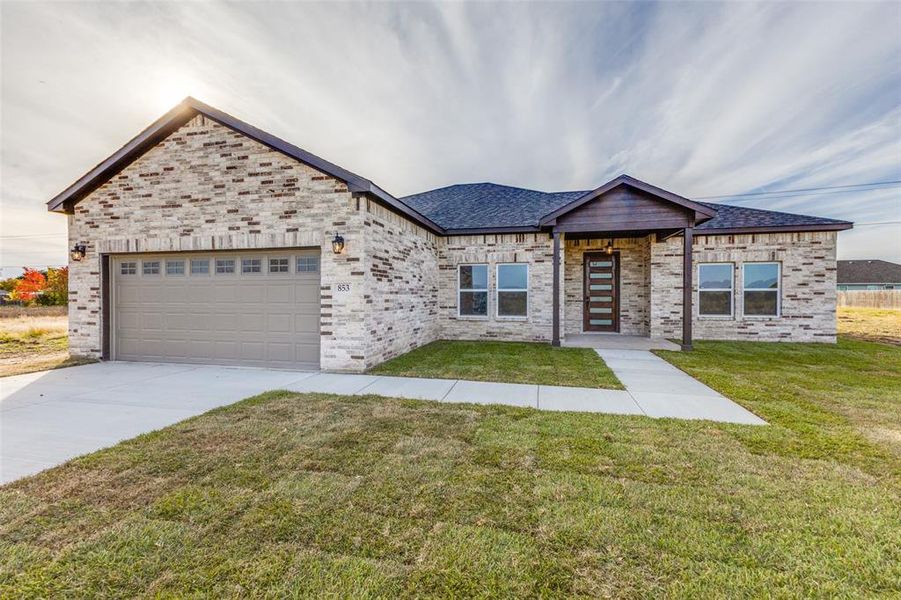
183,113
836,226
702,213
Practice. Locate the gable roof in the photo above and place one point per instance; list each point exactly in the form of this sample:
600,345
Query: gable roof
702,212
184,112
868,271
456,209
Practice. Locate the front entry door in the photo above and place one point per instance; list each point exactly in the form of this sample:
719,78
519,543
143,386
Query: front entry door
600,310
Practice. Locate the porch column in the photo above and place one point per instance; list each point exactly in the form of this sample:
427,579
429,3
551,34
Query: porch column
686,285
555,341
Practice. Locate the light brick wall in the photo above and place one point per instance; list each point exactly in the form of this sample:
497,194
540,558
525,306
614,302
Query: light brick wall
206,187
402,285
634,283
808,287
534,249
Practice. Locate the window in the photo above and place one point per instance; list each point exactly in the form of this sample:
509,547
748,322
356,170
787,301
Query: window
715,289
200,266
251,265
307,264
472,290
225,265
128,268
761,289
513,290
278,265
175,267
151,268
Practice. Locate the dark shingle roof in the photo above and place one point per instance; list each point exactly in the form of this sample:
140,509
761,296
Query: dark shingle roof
483,205
489,205
868,271
734,217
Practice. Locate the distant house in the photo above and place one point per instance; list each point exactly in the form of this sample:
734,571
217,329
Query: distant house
868,275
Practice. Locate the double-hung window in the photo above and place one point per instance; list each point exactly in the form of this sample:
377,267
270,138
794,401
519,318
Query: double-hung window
512,290
472,290
715,289
761,283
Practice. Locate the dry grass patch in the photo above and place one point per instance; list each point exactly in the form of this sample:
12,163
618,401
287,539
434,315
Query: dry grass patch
876,324
34,343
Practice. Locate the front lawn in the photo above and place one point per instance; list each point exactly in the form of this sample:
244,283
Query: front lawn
838,401
302,495
508,362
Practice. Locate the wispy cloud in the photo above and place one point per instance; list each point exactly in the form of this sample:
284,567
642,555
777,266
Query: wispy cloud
700,98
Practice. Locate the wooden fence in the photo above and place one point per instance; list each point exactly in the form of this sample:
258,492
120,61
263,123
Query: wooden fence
870,298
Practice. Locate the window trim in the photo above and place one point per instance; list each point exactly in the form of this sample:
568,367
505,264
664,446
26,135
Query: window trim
777,289
173,262
234,264
251,259
194,273
306,257
730,289
487,291
269,260
498,289
159,270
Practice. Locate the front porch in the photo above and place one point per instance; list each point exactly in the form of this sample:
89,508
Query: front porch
612,271
617,341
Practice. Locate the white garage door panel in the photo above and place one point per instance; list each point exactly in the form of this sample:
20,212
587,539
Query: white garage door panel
253,319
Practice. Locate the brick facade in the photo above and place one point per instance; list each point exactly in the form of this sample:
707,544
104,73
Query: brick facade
808,293
535,249
207,187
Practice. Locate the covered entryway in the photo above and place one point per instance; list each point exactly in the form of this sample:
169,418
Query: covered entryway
254,308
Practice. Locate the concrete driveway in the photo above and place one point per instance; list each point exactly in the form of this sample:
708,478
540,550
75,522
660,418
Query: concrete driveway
50,417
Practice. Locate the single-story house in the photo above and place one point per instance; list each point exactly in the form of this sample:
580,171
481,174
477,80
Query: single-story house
207,240
868,275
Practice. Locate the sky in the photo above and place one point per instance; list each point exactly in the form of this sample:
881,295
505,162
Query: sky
702,99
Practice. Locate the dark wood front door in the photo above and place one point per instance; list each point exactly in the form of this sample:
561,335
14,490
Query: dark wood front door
600,307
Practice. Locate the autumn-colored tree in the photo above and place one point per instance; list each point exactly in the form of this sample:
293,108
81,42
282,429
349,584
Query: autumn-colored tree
30,285
57,289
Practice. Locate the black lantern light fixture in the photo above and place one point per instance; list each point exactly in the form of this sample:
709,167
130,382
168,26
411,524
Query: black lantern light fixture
78,251
609,248
338,244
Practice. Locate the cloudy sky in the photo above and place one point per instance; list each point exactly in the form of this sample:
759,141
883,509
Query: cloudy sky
704,99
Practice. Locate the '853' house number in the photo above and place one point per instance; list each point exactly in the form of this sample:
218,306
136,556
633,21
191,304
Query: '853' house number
342,288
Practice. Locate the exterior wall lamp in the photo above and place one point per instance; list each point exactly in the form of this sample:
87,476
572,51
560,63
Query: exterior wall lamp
78,251
609,249
338,244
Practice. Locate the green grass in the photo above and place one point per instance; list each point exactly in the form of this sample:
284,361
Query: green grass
331,496
840,402
508,362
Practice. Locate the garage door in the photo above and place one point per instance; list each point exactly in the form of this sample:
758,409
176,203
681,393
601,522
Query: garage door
256,309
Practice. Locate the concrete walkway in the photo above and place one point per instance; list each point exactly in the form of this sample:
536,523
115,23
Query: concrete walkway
50,417
662,390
